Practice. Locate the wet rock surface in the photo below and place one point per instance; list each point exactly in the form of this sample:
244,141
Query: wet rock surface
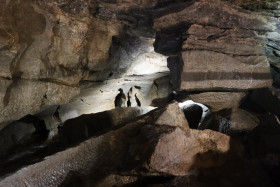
153,150
219,55
63,62
146,142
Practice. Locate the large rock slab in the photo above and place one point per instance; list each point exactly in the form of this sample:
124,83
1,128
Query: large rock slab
193,151
139,147
222,46
173,115
27,97
267,99
207,12
78,129
241,43
218,101
207,70
177,153
231,58
243,120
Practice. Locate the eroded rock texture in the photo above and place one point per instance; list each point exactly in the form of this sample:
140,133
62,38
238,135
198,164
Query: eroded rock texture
67,59
224,46
218,51
49,47
140,147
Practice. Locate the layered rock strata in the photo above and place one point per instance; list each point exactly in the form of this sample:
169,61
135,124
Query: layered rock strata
223,48
141,147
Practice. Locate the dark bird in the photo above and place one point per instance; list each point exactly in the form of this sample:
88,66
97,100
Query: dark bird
137,101
128,100
120,99
156,84
56,113
110,75
84,102
137,87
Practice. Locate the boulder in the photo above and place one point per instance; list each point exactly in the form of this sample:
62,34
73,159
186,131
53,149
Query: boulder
178,153
75,130
267,99
30,96
172,115
263,139
139,147
115,180
14,134
243,120
218,101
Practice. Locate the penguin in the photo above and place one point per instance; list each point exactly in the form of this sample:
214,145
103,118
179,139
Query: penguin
84,102
156,85
199,114
128,100
110,75
179,96
137,101
120,99
56,114
137,87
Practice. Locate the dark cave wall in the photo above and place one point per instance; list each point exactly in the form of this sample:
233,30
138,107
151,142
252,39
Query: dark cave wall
220,53
48,48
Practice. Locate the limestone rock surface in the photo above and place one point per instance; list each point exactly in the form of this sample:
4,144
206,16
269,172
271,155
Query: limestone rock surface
218,101
243,120
140,144
223,47
179,152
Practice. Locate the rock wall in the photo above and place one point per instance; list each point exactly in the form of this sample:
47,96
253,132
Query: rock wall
223,47
218,50
48,48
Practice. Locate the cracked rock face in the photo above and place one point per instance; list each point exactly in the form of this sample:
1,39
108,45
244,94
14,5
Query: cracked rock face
64,59
47,48
212,45
141,146
225,47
